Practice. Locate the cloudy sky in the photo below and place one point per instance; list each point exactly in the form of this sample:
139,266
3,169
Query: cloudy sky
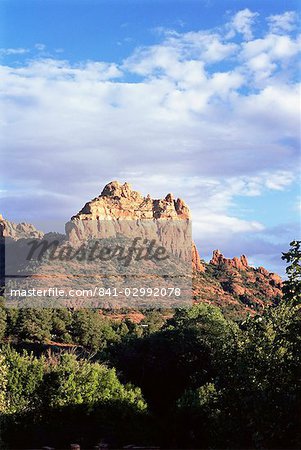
195,97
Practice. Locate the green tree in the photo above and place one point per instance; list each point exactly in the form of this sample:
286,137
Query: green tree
152,322
64,397
91,330
254,394
61,326
3,388
12,330
180,356
197,417
3,320
34,324
292,286
73,381
25,375
3,382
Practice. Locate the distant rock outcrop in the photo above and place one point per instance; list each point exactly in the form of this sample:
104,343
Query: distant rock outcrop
255,287
218,259
18,231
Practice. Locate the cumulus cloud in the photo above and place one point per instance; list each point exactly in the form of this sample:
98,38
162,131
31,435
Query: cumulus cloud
206,116
177,49
242,22
283,22
269,56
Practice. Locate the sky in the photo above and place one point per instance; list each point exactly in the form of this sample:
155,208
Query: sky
200,98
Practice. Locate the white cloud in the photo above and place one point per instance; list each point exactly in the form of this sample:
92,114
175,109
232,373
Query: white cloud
279,181
283,22
211,199
242,22
217,224
170,56
13,51
277,46
269,55
48,69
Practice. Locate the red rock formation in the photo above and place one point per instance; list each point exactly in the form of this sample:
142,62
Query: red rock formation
119,201
263,271
119,204
196,260
218,259
244,261
254,287
275,280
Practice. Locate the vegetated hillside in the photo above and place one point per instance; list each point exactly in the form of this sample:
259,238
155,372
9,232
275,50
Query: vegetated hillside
236,287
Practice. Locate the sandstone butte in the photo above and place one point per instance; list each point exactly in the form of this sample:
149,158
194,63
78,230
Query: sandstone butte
119,202
229,283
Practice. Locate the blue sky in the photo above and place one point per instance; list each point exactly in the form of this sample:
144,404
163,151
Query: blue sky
200,98
110,29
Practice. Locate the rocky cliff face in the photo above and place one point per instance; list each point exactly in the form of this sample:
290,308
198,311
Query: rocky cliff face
18,231
241,264
233,282
119,203
218,259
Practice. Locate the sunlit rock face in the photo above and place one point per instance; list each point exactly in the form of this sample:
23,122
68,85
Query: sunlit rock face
119,201
119,207
255,286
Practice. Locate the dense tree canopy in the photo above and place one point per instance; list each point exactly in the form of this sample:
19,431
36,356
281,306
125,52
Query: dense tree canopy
191,379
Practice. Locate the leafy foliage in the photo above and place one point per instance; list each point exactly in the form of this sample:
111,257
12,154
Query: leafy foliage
38,395
91,330
3,319
292,286
24,376
72,381
3,382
